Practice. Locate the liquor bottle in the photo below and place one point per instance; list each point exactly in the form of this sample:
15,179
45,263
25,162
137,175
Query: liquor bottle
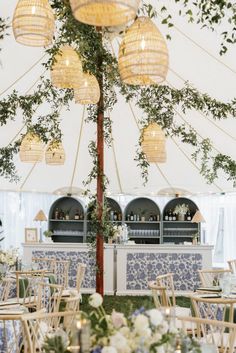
170,216
135,217
115,217
131,216
166,216
174,217
151,218
76,216
128,217
56,215
189,216
111,215
138,218
119,217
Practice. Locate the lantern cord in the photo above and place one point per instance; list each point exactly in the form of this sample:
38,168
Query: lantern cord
193,164
28,175
210,121
202,48
157,166
77,150
115,160
24,74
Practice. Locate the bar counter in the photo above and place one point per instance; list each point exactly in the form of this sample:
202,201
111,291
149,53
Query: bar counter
128,268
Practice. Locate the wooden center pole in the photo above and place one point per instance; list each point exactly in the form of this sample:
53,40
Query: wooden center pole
100,191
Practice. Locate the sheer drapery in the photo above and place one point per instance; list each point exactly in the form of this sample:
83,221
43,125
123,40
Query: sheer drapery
229,227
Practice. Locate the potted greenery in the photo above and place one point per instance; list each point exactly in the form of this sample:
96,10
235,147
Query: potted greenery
181,211
48,236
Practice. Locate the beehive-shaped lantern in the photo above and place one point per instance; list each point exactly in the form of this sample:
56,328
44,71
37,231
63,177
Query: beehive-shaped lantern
33,23
88,91
31,148
143,55
104,12
153,144
67,69
55,154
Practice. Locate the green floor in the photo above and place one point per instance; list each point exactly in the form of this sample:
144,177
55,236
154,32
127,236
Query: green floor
127,304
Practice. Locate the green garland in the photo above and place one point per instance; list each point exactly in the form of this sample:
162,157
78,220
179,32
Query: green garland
158,103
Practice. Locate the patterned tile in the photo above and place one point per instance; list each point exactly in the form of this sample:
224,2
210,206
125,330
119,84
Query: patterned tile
144,267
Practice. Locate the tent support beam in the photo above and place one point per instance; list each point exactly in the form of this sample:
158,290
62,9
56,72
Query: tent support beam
100,187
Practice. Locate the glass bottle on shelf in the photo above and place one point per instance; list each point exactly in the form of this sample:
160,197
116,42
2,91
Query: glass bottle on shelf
189,216
135,217
128,217
138,217
115,217
76,217
111,215
56,215
166,216
174,217
119,217
131,216
170,218
151,218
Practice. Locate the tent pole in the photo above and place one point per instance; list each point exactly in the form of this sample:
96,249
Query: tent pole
100,188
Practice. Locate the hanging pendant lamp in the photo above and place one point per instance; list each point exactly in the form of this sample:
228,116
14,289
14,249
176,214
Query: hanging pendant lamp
67,69
143,55
104,12
31,148
153,143
55,154
88,91
33,23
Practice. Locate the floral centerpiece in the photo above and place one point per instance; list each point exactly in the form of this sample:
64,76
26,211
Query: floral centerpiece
8,259
120,234
181,210
142,332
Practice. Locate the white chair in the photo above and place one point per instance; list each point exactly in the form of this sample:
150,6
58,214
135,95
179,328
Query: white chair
210,333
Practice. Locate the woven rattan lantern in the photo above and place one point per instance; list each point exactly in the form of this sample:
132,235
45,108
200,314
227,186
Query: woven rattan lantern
143,55
67,70
33,23
104,12
31,148
55,154
153,144
88,91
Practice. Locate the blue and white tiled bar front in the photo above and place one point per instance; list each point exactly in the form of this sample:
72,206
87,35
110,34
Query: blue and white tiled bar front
75,253
139,264
128,268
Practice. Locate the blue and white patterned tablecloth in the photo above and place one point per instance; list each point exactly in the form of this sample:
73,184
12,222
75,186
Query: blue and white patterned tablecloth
144,267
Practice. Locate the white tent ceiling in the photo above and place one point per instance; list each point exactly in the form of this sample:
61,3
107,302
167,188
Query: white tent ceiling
187,62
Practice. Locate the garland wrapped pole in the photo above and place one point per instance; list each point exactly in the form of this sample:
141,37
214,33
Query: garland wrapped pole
100,186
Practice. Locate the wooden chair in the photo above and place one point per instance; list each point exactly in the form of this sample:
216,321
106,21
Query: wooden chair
168,296
11,329
38,325
214,308
219,335
80,276
211,278
232,265
49,297
5,287
71,303
48,264
62,272
27,285
159,295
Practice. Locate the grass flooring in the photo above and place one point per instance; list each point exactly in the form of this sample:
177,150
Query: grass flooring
128,304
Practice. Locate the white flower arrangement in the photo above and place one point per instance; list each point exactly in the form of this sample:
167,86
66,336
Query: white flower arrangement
8,257
120,233
181,209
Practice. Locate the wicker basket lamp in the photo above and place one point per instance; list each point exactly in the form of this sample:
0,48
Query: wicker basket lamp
31,148
67,70
33,23
104,12
143,55
153,144
88,91
55,154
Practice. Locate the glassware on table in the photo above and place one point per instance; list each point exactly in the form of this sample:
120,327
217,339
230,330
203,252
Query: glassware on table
225,284
208,348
